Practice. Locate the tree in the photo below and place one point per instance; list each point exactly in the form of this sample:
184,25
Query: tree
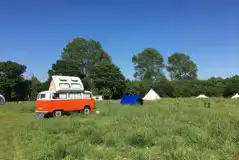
12,84
148,64
107,94
11,69
45,85
108,76
215,86
232,86
79,57
164,88
181,67
35,87
137,87
89,84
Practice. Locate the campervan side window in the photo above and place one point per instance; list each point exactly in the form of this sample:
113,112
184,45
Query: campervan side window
41,96
87,96
74,95
59,96
62,96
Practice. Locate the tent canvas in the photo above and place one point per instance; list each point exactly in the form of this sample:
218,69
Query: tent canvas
2,99
131,100
235,96
151,95
202,96
98,97
52,86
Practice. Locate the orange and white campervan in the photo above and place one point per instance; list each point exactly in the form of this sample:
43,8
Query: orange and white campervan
65,94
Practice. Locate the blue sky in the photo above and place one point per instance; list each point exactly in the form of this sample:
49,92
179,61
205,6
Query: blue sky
34,33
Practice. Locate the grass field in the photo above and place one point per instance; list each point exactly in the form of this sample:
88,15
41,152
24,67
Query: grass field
167,129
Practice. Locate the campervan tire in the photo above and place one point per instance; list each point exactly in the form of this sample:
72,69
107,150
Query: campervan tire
57,113
87,110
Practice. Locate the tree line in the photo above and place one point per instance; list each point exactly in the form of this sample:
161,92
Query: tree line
88,60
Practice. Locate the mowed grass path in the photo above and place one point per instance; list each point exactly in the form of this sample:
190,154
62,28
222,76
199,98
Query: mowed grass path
167,129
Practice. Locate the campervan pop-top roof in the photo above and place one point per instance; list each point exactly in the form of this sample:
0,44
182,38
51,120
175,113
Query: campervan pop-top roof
66,83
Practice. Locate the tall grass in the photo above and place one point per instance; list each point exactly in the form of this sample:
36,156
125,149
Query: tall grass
166,129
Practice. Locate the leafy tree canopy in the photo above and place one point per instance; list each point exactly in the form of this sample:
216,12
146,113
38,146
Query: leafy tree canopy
137,87
11,69
232,86
108,76
12,84
79,57
35,86
181,67
148,64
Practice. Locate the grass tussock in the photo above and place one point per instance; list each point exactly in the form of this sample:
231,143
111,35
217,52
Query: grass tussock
176,129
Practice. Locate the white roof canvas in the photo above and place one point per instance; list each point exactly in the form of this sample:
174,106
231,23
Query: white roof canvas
66,83
235,96
202,96
151,95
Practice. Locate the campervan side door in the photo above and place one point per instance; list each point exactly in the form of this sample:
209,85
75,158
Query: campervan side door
61,102
75,100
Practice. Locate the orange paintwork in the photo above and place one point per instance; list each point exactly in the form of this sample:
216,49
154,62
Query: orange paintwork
65,105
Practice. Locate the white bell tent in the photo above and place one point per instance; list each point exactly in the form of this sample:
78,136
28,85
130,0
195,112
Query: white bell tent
202,96
2,99
235,96
151,95
98,97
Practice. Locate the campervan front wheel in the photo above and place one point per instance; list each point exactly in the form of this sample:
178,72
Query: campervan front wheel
57,113
86,109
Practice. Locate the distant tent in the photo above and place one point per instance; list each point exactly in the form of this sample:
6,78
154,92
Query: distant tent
202,96
151,95
2,99
98,97
235,96
131,100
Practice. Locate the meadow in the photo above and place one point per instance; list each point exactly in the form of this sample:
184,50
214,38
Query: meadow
178,129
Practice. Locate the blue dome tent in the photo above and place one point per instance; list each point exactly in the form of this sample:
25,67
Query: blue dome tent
131,100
